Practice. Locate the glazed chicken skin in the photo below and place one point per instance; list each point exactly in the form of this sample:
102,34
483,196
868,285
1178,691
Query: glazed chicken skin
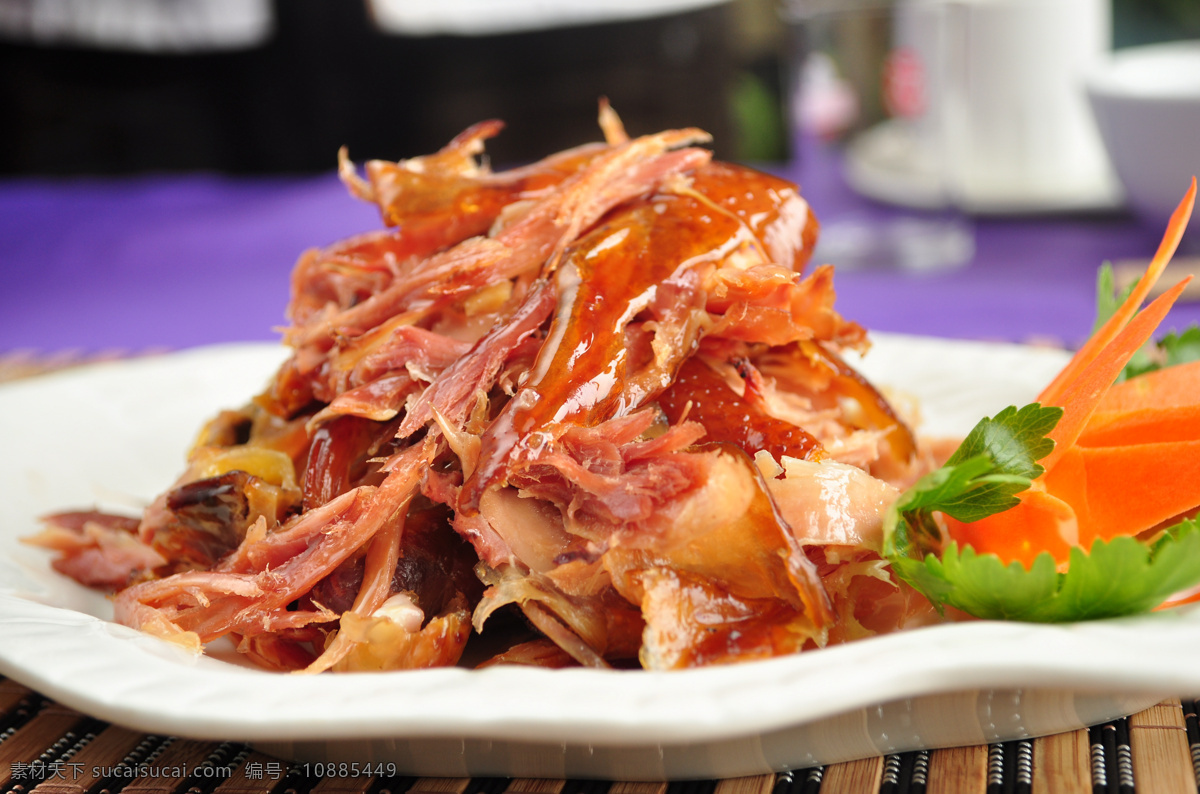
590,411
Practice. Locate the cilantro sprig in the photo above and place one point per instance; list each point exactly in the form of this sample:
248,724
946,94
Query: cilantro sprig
993,465
996,461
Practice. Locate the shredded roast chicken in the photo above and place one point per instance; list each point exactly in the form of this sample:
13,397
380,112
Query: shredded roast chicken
590,411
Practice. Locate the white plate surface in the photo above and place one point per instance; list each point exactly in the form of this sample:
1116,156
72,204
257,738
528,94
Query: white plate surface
115,435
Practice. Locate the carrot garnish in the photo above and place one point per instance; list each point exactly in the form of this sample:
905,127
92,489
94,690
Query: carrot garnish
1120,318
1080,397
1043,513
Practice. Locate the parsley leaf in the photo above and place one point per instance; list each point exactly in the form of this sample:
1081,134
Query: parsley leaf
997,461
1123,576
1108,300
1172,349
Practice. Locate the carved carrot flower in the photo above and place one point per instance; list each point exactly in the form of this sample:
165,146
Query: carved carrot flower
1072,507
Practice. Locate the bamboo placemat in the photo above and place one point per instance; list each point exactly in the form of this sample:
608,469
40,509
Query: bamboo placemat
46,748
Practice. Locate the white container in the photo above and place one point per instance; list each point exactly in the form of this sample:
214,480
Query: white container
1002,125
1147,106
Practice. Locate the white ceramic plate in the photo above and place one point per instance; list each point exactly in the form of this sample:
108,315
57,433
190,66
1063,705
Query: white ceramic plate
115,435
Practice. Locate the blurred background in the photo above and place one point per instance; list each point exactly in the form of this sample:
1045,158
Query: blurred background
154,152
252,86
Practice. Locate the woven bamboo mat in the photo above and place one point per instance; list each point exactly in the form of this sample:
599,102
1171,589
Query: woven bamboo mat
46,748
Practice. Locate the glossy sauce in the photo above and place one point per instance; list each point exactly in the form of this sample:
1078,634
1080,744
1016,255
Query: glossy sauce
646,260
434,211
705,397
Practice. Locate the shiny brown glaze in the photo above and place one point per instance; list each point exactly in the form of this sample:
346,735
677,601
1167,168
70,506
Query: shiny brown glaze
703,396
646,261
338,447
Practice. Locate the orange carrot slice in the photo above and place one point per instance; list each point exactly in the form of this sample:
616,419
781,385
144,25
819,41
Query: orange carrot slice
1189,596
1079,398
1162,405
1141,426
1099,340
1041,522
1127,489
1162,388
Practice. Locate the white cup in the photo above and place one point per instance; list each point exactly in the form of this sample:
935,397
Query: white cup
990,110
1015,110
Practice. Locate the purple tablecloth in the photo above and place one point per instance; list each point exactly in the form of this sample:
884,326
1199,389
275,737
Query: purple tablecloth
160,261
178,261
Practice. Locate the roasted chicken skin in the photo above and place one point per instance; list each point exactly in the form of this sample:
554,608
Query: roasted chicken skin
588,411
